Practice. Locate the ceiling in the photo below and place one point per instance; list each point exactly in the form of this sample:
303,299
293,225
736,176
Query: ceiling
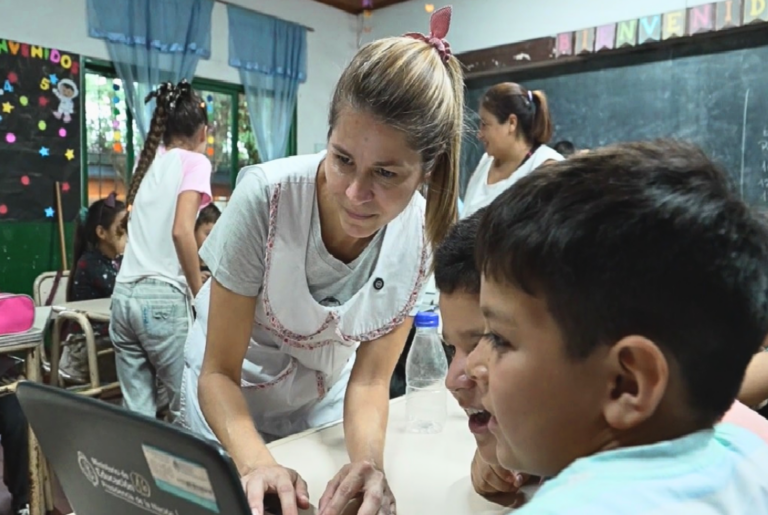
356,6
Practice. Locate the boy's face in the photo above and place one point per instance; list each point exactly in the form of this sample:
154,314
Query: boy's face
202,232
547,409
463,329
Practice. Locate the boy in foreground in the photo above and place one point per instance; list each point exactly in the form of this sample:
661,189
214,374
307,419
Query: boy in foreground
624,293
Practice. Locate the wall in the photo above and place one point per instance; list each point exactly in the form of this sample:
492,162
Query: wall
28,249
62,24
480,24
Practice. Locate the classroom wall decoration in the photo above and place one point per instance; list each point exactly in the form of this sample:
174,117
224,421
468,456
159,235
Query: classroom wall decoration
695,20
658,28
40,106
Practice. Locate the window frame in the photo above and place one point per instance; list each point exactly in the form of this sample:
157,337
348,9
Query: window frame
107,69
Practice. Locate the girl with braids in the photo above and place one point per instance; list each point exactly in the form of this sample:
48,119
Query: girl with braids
316,265
98,249
160,273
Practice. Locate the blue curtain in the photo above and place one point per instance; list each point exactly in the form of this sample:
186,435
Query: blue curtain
271,55
151,45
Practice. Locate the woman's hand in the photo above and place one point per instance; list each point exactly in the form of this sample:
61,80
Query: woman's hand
351,481
490,479
274,479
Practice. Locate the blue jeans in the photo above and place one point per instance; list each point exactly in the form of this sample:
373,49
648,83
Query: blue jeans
149,325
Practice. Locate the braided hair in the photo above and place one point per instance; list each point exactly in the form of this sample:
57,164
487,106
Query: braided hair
179,113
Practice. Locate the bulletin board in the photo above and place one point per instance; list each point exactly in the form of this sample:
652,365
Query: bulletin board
40,140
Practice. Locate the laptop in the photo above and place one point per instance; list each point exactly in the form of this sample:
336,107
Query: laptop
110,461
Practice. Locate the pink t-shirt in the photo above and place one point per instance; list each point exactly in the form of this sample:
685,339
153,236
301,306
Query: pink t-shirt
743,416
196,175
150,251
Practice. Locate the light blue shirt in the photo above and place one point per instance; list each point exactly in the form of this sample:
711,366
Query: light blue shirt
721,471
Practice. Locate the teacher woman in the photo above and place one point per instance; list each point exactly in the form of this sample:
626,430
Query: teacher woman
316,265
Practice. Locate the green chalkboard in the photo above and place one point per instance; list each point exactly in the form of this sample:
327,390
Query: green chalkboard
711,92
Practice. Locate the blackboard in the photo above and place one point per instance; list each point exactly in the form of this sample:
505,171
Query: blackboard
40,106
713,92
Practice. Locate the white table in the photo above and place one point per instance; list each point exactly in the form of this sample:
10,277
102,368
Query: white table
427,473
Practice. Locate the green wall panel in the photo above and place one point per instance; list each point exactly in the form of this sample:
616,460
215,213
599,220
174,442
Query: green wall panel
27,249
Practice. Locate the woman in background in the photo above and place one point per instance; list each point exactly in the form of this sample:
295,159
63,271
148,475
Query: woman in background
515,126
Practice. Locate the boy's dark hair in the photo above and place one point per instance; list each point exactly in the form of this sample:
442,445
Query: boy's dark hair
101,213
208,215
642,239
565,148
179,113
455,267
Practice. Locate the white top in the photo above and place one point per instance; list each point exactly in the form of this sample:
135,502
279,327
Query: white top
235,247
150,252
713,472
312,310
479,193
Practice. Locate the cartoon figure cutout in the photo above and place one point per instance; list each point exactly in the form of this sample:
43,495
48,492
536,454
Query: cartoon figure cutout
66,91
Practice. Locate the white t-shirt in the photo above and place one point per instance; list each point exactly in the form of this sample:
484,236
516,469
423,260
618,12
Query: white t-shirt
234,251
714,472
479,193
150,252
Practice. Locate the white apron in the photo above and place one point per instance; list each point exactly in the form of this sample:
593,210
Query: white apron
301,353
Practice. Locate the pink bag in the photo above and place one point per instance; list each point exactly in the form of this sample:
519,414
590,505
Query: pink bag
17,313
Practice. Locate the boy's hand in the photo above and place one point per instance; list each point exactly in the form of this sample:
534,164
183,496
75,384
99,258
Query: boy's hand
492,479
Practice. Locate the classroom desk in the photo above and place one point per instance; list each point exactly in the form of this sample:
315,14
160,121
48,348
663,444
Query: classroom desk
427,473
31,343
97,310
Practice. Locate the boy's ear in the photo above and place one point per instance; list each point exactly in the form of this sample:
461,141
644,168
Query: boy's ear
640,377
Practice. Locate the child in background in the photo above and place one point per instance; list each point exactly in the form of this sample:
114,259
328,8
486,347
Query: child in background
458,282
625,292
160,273
207,218
98,248
565,148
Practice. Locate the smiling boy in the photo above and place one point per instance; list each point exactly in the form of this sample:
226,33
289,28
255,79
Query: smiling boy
458,281
624,291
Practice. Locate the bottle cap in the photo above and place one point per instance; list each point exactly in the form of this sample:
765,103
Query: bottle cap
427,319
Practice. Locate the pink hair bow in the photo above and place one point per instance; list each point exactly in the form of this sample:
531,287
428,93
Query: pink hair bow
439,24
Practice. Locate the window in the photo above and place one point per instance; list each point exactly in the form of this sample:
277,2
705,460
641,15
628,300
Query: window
114,142
106,136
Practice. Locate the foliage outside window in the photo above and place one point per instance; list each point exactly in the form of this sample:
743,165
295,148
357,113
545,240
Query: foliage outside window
112,141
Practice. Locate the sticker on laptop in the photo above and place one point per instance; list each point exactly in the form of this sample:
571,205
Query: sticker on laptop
122,484
180,477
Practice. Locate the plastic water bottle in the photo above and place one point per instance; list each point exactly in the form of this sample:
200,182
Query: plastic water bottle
426,397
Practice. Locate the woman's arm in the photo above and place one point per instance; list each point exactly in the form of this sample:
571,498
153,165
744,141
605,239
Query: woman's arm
366,410
230,320
366,404
187,207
